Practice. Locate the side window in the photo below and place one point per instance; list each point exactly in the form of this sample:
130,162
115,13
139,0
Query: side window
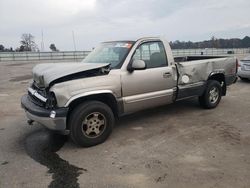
153,53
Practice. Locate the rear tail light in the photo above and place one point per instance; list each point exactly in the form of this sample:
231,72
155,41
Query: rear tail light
237,65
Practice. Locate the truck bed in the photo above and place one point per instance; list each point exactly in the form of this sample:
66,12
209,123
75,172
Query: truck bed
193,72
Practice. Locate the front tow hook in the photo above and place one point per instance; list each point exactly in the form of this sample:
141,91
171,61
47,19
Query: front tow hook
30,122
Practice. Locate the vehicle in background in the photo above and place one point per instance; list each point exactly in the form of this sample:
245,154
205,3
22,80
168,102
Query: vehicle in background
244,69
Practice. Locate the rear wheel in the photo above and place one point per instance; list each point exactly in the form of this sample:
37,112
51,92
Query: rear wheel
212,95
91,123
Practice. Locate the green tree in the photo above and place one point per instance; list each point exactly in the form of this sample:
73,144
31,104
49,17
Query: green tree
53,48
246,42
1,47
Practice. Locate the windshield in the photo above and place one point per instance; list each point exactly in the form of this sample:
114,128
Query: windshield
109,52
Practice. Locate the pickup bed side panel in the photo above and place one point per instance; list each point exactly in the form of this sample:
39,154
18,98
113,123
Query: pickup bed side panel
193,75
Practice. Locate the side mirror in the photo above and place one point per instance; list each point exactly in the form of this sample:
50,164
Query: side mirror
137,65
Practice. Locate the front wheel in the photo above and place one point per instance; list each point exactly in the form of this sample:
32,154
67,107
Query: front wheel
91,123
212,95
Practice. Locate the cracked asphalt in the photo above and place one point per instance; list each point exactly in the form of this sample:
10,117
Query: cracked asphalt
179,145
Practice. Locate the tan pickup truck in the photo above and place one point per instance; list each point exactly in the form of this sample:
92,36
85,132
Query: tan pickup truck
117,78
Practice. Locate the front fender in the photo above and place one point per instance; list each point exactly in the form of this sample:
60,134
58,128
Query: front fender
88,93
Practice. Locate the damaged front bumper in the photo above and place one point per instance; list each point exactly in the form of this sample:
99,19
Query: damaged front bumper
54,119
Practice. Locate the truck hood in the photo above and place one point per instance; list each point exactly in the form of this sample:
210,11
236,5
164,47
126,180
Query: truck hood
46,73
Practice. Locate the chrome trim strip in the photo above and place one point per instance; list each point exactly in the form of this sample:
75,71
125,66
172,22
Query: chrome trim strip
147,96
36,94
185,86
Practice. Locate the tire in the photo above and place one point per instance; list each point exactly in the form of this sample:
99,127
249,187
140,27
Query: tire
244,79
212,95
91,123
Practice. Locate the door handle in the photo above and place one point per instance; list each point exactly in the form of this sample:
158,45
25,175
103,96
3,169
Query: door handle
167,75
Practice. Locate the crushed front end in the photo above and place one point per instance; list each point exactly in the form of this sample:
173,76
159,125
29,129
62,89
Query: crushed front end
40,106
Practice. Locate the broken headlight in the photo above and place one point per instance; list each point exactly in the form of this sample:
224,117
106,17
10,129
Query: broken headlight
51,101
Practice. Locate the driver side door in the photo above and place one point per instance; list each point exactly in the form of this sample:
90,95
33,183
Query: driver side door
154,86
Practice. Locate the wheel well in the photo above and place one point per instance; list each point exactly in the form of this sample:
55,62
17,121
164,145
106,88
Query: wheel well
220,77
106,98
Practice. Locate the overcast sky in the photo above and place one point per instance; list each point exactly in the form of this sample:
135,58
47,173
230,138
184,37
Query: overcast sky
94,21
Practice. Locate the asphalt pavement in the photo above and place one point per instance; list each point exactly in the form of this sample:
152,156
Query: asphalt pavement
178,145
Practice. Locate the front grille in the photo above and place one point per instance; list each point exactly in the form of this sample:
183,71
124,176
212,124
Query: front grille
41,91
35,100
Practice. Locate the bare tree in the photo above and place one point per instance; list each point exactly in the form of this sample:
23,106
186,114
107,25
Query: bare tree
28,42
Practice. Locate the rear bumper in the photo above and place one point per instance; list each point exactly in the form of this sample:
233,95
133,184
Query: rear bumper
52,119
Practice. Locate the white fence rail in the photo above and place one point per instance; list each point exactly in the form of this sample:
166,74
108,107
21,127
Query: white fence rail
211,51
40,56
79,55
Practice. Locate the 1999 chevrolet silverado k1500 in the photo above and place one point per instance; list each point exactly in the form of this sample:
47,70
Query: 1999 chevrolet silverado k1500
117,78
